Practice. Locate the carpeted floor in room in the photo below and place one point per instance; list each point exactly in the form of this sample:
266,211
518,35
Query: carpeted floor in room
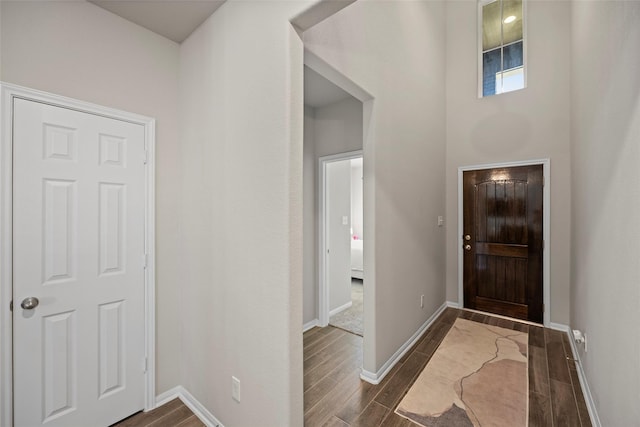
351,319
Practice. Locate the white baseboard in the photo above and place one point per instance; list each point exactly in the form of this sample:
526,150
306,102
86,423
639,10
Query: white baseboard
309,325
453,304
559,327
376,377
588,398
341,308
167,396
191,402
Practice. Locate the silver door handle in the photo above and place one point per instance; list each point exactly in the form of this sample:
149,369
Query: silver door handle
467,247
29,303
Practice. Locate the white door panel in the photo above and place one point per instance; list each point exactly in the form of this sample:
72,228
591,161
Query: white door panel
78,221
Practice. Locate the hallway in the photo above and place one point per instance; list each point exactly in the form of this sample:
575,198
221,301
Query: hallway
335,395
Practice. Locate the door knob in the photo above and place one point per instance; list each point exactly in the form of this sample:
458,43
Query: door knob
29,303
467,247
467,237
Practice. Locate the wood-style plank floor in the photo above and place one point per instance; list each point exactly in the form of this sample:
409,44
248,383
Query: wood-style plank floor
334,395
171,414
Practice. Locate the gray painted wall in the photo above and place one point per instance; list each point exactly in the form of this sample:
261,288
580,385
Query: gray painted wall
356,198
339,245
309,221
241,106
79,50
605,226
338,127
532,123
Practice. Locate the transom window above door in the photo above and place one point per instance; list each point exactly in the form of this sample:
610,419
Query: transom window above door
501,41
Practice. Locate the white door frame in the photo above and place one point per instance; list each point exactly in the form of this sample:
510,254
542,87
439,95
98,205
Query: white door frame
546,228
323,261
8,93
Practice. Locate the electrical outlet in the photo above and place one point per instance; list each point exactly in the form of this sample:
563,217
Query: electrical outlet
580,338
235,389
421,301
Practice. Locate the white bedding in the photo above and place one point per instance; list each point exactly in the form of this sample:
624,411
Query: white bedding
356,259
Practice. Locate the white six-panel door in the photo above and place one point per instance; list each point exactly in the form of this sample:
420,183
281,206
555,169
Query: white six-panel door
78,247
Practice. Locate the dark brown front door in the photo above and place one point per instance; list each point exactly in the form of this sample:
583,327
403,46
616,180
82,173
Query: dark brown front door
502,241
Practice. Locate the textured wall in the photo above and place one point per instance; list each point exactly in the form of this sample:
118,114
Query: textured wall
339,257
605,230
310,218
241,109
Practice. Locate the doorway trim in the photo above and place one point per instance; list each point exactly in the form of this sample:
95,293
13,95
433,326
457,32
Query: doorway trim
323,262
9,92
546,229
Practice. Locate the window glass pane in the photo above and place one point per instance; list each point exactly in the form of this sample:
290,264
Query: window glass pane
512,55
502,46
491,28
498,83
511,21
513,79
491,66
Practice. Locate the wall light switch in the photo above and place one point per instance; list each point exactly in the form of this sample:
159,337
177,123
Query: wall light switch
440,221
345,220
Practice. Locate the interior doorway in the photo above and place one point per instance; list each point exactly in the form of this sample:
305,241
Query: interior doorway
78,343
343,238
336,123
339,126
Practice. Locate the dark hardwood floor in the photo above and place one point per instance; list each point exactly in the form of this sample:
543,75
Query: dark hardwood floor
171,414
335,396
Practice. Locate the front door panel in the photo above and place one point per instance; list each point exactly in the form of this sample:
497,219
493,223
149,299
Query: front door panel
503,241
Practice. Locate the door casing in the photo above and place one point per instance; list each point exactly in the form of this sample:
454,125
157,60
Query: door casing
8,93
323,263
546,221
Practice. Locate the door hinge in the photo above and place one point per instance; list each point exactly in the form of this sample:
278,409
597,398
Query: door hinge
145,364
146,156
11,305
145,261
544,181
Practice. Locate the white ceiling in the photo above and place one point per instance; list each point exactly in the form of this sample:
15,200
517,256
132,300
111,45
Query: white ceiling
320,92
173,19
